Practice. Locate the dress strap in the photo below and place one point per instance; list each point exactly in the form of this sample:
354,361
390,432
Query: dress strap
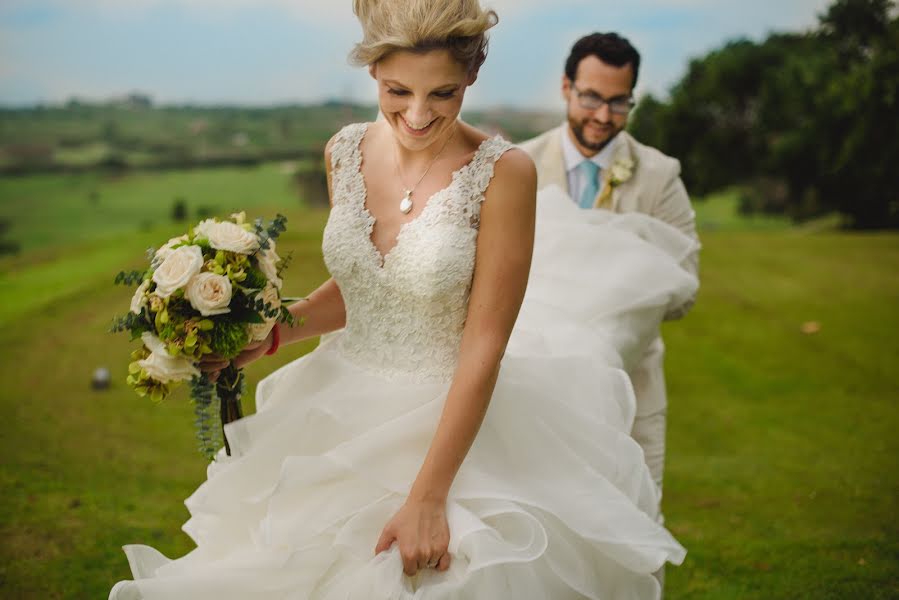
346,165
478,174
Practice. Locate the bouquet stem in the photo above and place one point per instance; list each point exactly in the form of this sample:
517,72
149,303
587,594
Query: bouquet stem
229,388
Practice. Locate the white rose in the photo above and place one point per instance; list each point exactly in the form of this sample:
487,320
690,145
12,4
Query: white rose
140,297
268,264
620,173
260,331
231,237
166,249
203,227
162,366
209,293
177,269
153,343
626,163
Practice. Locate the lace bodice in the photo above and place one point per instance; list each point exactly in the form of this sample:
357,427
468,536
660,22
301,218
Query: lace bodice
405,312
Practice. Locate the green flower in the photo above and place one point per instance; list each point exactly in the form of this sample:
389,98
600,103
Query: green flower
229,339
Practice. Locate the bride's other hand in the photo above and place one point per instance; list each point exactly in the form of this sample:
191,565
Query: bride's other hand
421,533
253,352
212,364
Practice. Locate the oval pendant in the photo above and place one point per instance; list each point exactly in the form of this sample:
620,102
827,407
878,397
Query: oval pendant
406,204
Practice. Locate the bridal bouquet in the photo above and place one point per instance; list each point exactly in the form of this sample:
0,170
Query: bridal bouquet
208,292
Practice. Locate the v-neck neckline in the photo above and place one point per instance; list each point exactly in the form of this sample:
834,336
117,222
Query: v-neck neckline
383,256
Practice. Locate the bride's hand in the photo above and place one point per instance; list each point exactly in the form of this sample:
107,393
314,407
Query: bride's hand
213,363
422,534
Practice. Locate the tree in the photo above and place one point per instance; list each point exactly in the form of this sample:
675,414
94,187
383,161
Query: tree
179,210
816,111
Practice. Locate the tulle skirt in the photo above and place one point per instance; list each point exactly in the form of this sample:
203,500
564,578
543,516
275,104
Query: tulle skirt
553,500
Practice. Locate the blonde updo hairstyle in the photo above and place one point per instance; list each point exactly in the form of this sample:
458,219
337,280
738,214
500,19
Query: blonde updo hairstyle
459,26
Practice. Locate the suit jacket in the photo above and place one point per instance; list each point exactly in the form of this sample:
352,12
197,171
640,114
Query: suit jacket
655,188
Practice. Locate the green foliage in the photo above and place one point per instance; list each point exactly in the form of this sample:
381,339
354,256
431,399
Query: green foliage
135,324
255,279
270,232
130,277
228,338
805,122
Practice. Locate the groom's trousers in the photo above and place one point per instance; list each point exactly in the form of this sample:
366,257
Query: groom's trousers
648,379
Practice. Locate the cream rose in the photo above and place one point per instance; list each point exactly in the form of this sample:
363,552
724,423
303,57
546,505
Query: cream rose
167,249
268,264
139,301
177,269
209,293
231,237
162,366
260,331
203,227
620,172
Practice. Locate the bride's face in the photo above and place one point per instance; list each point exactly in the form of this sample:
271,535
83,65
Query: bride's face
420,94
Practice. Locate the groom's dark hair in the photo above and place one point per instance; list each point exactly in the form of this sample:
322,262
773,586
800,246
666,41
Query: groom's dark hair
610,48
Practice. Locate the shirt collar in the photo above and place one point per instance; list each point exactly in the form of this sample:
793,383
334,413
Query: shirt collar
573,156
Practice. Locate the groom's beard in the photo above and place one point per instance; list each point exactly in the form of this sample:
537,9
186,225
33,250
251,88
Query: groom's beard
577,128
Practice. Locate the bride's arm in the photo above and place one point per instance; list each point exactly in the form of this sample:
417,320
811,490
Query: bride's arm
323,311
505,244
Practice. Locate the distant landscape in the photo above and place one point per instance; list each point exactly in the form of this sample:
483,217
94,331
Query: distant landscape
782,380
132,133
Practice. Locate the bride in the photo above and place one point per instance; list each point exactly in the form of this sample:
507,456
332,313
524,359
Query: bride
433,447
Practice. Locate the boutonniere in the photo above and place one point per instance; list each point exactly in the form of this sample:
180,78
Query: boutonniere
620,172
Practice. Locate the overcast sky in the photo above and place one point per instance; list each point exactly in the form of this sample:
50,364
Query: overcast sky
262,52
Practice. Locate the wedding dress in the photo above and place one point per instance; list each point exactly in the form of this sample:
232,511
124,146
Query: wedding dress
553,500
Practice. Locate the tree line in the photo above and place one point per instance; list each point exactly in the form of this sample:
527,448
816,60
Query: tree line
804,124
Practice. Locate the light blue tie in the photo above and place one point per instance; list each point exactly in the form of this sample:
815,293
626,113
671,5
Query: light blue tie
590,171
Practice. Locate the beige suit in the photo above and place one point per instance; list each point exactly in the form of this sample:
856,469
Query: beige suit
655,188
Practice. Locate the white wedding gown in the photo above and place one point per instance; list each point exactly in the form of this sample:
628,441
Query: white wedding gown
552,502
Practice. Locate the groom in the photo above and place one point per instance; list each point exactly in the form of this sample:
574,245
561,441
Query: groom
601,166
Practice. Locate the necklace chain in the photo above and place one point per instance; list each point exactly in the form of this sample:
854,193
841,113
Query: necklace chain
406,202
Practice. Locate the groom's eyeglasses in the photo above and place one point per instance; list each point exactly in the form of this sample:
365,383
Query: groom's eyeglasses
592,101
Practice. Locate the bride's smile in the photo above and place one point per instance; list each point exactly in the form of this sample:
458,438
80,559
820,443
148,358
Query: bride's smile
420,95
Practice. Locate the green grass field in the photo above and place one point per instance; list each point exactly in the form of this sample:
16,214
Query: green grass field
782,446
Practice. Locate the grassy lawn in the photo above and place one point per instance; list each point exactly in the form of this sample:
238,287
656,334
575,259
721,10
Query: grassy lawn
781,444
55,211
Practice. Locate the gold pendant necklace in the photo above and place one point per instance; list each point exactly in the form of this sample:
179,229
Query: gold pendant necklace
406,202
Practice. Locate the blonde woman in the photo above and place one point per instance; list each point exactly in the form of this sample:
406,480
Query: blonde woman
373,468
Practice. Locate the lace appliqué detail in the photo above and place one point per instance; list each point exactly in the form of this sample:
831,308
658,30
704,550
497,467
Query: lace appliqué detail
405,311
